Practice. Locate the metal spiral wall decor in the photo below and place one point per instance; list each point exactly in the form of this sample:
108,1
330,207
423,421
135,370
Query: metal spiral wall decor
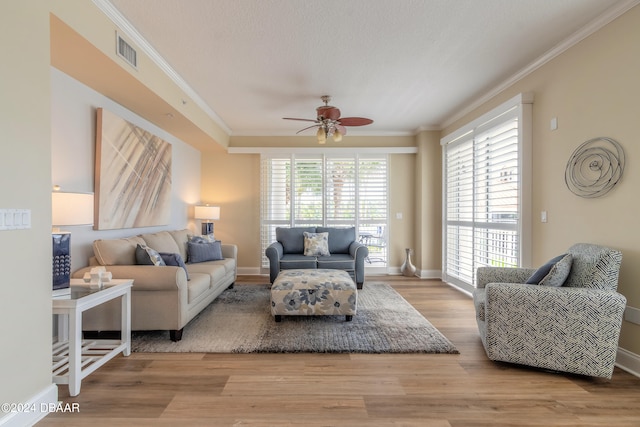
595,167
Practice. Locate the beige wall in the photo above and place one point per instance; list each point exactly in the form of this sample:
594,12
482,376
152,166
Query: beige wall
232,181
402,200
593,89
25,170
428,196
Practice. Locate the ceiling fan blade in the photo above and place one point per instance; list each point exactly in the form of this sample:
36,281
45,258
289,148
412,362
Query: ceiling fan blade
328,112
302,130
355,121
341,129
302,120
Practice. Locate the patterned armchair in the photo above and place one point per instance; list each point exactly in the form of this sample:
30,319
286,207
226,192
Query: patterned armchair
572,328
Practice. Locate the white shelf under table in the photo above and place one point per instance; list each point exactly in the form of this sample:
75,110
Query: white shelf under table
73,357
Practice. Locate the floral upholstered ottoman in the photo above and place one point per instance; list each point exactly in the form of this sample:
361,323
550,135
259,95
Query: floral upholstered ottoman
313,292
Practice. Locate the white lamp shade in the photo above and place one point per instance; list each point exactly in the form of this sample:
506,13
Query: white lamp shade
207,212
71,208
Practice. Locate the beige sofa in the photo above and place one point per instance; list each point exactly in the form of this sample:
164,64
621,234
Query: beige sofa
162,298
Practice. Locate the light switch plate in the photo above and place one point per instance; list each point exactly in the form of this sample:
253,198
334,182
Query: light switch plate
15,219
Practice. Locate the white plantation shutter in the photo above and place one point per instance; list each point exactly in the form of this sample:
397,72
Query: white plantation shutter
373,207
275,200
485,196
340,199
307,190
324,190
459,210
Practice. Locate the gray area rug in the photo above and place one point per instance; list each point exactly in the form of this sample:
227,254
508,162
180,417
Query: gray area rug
240,321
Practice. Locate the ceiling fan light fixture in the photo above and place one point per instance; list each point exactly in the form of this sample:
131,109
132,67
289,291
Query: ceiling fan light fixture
337,136
322,136
329,122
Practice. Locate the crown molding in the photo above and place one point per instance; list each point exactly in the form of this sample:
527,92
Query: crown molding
121,22
322,150
608,16
265,133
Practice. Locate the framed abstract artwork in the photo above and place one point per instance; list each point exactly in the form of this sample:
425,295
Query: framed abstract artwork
132,175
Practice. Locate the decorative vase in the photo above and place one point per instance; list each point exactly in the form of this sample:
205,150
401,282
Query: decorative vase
407,268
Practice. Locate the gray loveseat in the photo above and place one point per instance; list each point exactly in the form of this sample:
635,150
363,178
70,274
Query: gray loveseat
345,252
163,297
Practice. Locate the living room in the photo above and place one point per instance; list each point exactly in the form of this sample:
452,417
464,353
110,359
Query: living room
591,88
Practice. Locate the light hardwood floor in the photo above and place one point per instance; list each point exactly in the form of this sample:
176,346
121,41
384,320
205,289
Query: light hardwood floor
148,389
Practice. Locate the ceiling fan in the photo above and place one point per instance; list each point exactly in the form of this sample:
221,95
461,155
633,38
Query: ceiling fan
329,122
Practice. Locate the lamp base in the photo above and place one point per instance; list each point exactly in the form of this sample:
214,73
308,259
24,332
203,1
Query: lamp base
61,260
207,228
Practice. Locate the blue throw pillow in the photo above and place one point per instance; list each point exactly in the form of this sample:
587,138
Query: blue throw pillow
174,260
553,273
148,256
200,252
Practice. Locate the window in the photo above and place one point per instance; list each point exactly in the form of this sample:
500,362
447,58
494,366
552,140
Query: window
486,193
321,190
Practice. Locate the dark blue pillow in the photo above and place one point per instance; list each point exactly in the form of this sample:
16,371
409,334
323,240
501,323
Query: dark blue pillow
201,252
147,256
542,272
174,260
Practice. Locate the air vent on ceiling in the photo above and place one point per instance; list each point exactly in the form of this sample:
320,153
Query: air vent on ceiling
126,51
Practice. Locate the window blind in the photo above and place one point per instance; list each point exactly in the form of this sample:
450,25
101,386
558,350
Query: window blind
483,194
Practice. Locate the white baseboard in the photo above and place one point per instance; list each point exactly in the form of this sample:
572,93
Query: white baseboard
628,361
38,408
430,274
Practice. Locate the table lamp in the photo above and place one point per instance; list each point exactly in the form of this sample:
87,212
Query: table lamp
67,209
207,213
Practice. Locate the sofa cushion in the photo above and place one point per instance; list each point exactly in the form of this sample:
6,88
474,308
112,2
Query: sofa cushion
200,252
228,266
340,238
181,237
215,269
117,251
174,259
291,261
316,244
292,238
337,262
198,287
148,256
162,241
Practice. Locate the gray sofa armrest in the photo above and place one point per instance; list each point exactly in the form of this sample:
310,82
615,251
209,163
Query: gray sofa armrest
359,252
536,326
274,253
486,275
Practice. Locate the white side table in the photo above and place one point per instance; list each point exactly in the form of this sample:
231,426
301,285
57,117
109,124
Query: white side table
73,357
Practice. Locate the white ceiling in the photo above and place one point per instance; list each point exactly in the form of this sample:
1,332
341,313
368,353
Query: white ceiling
406,64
